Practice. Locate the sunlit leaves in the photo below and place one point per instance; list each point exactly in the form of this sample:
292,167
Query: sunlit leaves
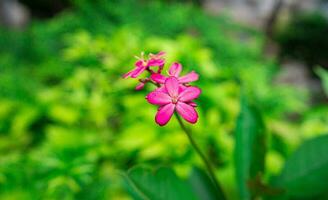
65,114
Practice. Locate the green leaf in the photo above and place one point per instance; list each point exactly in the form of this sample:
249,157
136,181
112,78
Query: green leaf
324,77
305,173
250,148
162,184
203,186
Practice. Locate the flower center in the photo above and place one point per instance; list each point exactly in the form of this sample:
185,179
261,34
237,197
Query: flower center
144,63
174,100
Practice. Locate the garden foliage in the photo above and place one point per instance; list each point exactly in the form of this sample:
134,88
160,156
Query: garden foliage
71,127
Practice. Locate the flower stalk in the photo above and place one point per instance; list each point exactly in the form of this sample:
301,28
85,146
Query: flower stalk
202,156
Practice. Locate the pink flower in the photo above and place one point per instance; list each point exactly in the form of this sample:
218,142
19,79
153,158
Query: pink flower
143,64
140,86
172,98
175,71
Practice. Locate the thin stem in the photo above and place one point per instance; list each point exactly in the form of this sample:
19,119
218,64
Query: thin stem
202,156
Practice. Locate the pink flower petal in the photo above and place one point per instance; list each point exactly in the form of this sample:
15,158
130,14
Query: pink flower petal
158,98
161,89
137,72
157,56
164,114
172,86
159,78
192,76
189,94
181,88
140,86
187,112
160,54
175,69
193,104
128,74
156,62
139,63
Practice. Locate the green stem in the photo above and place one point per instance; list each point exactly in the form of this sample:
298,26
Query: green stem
202,156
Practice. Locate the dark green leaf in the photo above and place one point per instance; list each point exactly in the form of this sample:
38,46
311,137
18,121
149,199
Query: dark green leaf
162,184
250,147
203,186
306,172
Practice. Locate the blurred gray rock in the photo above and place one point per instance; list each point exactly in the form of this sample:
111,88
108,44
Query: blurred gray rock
297,74
13,14
256,12
294,73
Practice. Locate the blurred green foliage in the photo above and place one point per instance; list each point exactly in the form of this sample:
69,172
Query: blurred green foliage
323,74
69,123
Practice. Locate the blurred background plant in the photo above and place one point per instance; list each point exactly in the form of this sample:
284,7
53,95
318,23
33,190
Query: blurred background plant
69,124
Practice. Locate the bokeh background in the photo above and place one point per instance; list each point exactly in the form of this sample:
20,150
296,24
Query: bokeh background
69,124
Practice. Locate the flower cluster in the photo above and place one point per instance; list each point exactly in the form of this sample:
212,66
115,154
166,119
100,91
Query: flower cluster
173,92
